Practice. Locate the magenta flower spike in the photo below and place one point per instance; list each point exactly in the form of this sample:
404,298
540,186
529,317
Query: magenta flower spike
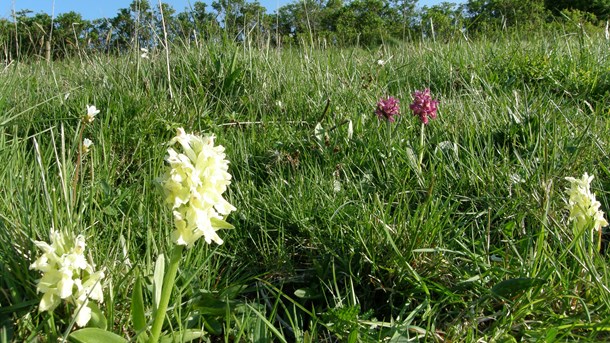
424,106
387,109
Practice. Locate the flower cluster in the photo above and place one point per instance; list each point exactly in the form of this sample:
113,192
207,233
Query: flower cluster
584,208
193,185
66,275
388,108
424,106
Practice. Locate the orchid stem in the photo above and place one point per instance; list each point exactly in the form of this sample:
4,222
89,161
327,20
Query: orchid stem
166,292
421,147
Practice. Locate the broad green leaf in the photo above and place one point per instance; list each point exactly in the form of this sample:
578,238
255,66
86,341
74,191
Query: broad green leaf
106,188
507,339
98,319
307,293
233,291
207,303
95,335
551,335
353,336
514,287
158,280
183,336
270,326
212,325
138,317
471,279
221,224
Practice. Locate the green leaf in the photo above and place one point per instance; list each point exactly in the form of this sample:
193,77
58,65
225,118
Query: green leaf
212,325
183,336
110,211
270,326
98,319
138,317
507,339
106,188
221,224
233,291
551,335
158,280
207,303
307,293
95,335
353,336
514,287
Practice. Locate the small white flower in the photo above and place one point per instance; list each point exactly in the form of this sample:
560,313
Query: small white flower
87,143
320,133
91,112
144,52
336,186
381,63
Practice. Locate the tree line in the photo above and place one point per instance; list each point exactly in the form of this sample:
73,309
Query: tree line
309,22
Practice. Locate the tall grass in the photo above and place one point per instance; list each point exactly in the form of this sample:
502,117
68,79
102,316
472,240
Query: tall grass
336,238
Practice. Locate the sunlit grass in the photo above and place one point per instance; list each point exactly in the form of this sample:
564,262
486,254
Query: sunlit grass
337,236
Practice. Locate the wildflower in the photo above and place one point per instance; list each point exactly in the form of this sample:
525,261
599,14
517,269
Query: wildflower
350,130
381,63
387,109
91,112
424,106
87,143
144,53
193,185
66,275
584,208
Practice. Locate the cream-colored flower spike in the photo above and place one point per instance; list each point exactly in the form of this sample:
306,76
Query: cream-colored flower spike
584,208
194,185
66,275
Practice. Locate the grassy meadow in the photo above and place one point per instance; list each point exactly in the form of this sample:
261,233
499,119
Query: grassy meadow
340,234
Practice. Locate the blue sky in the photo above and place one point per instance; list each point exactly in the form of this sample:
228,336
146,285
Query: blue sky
109,8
